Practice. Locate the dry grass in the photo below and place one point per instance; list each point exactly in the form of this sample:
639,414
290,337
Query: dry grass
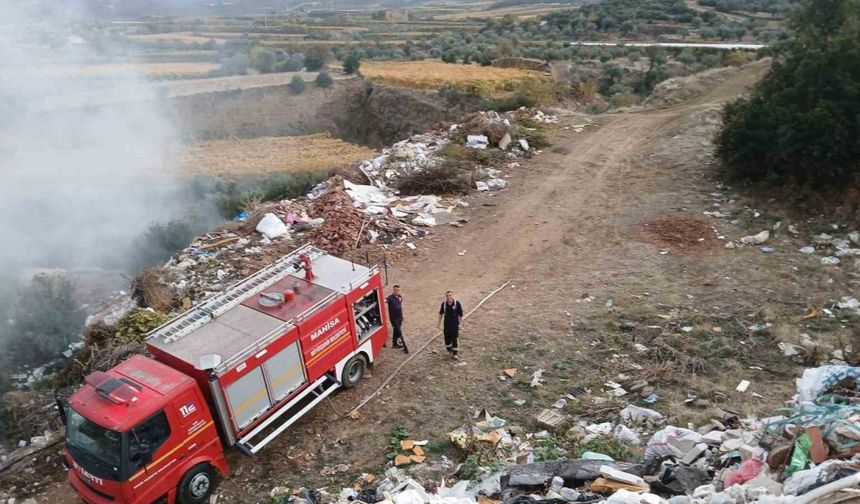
260,156
303,43
521,11
149,69
186,37
435,74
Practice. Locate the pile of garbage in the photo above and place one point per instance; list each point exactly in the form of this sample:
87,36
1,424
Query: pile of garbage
484,130
808,452
340,216
834,249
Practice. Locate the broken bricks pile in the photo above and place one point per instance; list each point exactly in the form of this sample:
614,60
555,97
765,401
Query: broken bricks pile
808,453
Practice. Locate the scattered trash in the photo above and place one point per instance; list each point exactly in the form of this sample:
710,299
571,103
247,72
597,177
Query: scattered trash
477,142
651,399
730,460
496,183
551,419
757,328
271,226
756,239
636,415
537,378
848,303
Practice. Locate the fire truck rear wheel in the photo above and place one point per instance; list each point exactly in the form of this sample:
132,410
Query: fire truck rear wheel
196,485
354,371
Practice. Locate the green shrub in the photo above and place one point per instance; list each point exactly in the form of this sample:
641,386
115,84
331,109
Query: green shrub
398,434
801,123
316,57
297,84
607,446
324,80
351,63
233,196
467,158
161,241
263,59
134,326
509,103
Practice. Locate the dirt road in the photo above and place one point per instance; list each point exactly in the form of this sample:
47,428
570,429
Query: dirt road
569,230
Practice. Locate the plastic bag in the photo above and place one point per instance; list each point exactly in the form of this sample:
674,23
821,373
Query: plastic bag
747,471
633,414
800,457
816,381
658,446
408,497
622,433
271,226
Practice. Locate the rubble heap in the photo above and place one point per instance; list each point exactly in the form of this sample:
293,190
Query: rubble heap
808,453
339,215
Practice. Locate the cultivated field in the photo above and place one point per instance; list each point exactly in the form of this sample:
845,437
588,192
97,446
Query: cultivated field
257,156
184,37
435,74
147,69
522,11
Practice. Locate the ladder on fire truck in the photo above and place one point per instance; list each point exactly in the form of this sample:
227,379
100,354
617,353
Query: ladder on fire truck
232,296
297,407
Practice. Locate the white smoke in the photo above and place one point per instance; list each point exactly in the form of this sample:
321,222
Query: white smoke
86,162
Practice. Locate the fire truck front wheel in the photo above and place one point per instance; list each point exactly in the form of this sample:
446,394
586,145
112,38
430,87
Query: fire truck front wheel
196,485
354,371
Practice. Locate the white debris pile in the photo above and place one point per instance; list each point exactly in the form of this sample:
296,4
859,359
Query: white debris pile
483,131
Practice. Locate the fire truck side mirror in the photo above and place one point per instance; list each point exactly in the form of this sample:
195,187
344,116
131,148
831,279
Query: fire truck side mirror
62,404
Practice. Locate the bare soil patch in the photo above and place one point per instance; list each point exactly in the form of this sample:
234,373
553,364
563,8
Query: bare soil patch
682,233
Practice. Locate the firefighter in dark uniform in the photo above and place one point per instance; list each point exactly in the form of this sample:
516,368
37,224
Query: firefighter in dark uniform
451,312
395,314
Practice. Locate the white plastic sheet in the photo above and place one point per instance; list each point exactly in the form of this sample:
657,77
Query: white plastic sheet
271,226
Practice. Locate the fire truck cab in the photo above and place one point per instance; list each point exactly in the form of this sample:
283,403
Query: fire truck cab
134,432
236,370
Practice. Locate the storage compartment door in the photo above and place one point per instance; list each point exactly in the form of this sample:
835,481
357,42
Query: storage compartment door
285,370
248,397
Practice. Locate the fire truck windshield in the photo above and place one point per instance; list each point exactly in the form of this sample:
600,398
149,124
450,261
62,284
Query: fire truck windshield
96,449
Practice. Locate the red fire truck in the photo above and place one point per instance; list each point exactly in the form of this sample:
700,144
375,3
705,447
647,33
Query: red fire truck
236,370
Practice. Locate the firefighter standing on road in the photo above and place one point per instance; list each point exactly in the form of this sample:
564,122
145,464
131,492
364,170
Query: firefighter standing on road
395,314
452,313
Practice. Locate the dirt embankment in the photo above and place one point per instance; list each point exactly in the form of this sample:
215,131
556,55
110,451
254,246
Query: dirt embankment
384,115
353,109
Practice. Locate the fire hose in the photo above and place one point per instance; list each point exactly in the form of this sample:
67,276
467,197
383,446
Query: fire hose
403,364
